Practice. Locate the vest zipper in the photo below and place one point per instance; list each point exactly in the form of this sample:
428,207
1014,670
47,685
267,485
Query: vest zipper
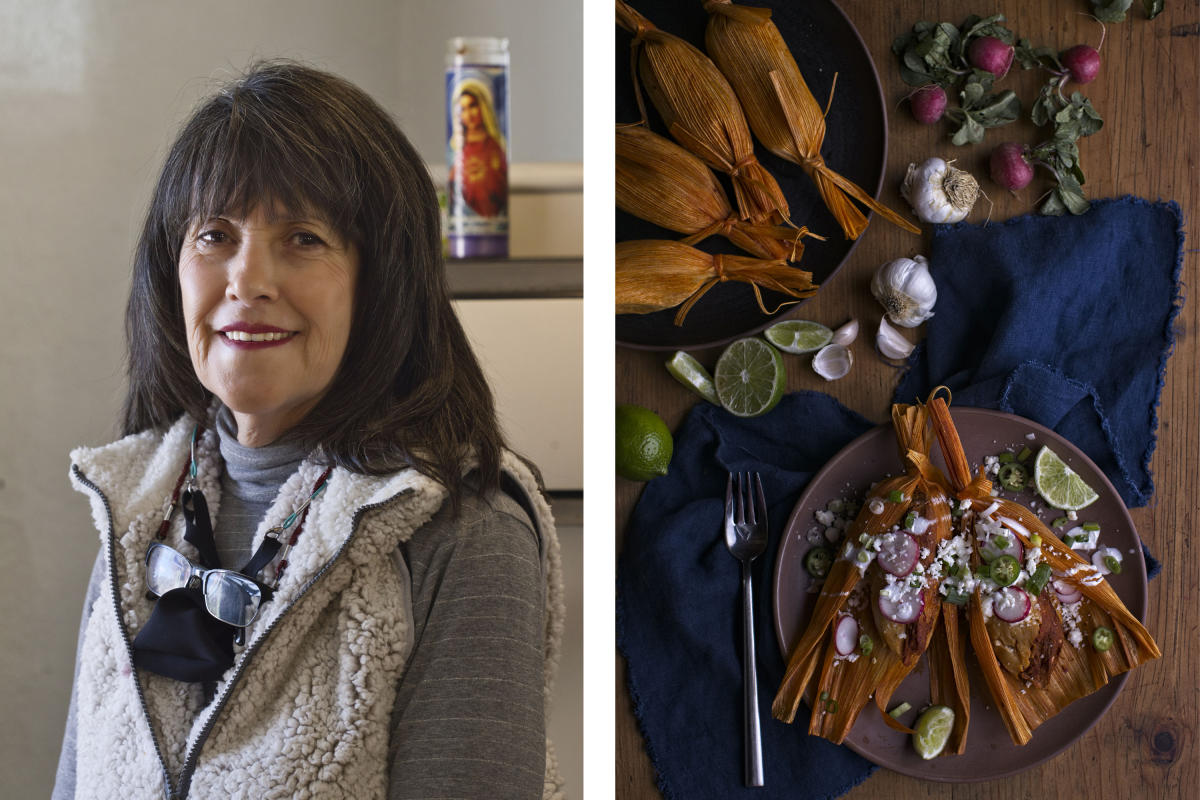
112,579
189,765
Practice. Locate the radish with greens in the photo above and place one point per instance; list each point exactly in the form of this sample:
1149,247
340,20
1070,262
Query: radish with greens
928,103
1010,167
1081,62
990,54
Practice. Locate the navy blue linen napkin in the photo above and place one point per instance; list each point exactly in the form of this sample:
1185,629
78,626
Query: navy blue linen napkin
1062,320
678,606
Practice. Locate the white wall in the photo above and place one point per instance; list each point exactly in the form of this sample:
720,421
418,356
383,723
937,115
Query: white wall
91,93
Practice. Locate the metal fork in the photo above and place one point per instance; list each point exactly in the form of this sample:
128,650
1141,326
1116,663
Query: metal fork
746,537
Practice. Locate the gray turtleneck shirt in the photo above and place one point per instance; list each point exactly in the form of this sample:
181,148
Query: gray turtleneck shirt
469,715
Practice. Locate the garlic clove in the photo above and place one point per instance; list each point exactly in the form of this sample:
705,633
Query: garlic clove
846,334
832,361
890,342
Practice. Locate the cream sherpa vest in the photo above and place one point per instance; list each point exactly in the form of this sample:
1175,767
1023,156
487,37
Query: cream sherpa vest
304,710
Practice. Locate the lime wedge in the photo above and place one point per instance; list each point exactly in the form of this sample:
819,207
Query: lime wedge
932,730
749,377
798,336
693,375
1058,484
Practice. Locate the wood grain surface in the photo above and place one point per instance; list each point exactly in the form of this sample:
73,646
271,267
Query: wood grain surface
1148,93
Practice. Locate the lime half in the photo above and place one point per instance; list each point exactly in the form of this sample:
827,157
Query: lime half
692,374
749,377
798,336
644,443
1058,484
932,731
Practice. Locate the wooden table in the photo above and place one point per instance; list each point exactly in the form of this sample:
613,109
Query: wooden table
1148,92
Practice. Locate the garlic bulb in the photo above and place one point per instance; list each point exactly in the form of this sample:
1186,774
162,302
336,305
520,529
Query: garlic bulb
939,192
890,342
846,334
832,362
906,290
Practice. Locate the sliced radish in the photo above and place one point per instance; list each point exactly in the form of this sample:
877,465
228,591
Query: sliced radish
1066,592
989,551
903,603
845,635
898,553
1011,604
1100,556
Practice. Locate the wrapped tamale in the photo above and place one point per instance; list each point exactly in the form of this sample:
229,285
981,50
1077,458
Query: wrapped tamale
1046,630
660,182
881,587
780,108
653,274
701,112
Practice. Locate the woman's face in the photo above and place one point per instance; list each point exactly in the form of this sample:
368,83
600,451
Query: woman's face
267,307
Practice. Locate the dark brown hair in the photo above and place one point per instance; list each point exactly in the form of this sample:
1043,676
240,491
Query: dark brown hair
297,140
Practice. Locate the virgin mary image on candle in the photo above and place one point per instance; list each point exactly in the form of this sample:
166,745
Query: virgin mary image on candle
479,171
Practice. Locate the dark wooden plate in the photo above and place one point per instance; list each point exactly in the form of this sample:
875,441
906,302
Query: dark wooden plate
823,41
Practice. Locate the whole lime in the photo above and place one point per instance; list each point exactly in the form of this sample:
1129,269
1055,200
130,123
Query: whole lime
644,443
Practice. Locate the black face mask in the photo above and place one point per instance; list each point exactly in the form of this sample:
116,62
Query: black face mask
181,640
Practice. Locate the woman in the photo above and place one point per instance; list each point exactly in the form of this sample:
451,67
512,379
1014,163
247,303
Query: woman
304,404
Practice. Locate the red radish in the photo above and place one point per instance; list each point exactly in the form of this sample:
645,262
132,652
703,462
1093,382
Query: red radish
1011,604
898,553
1082,63
1009,166
991,54
903,603
928,103
845,635
989,551
1067,592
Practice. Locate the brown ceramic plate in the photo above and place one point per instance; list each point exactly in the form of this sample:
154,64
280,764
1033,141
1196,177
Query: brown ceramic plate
824,42
990,753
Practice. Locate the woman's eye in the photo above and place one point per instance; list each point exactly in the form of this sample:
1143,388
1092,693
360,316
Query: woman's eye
306,239
212,237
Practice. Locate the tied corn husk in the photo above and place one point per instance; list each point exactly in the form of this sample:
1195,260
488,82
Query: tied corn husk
654,274
660,182
782,112
1076,671
701,112
847,590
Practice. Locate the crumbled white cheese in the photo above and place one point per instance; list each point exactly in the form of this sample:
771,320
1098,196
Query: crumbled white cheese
832,534
824,517
1080,543
1033,557
1030,436
1072,515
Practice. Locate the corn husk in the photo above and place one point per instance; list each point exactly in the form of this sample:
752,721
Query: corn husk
660,182
782,112
701,112
847,591
1077,671
654,274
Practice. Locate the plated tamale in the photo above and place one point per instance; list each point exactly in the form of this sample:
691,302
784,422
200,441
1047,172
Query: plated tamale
662,183
701,112
1056,635
780,108
881,587
654,274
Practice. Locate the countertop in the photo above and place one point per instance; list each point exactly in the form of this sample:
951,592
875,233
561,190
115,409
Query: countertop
1148,94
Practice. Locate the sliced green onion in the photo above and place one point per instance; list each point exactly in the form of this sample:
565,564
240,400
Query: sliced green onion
1000,541
1039,579
1024,454
910,519
899,710
1091,526
866,644
824,696
1035,540
863,538
1102,639
863,557
956,597
896,496
1060,522
831,706
1113,565
1006,457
